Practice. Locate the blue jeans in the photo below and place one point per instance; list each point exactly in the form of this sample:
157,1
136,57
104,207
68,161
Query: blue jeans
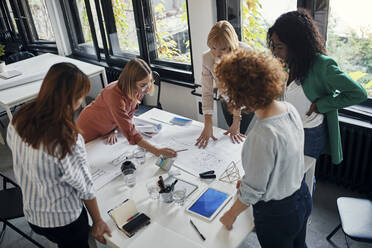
314,140
282,223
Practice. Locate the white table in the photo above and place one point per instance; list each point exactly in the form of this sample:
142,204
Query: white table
167,215
20,89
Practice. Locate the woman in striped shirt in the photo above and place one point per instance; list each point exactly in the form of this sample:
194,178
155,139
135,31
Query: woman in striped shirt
50,161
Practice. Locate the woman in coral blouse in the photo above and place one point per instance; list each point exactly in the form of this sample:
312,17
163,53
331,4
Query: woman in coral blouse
114,108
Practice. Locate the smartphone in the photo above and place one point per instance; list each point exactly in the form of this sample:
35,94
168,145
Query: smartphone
132,226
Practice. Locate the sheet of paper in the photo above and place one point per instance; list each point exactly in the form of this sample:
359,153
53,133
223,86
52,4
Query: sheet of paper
216,156
156,235
106,160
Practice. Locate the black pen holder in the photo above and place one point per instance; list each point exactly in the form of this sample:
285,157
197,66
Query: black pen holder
127,165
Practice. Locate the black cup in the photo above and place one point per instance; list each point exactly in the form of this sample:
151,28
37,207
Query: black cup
127,165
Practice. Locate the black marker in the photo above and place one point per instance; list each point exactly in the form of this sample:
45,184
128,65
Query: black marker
196,229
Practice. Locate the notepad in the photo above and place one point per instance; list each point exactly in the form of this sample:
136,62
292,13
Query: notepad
10,74
156,235
124,218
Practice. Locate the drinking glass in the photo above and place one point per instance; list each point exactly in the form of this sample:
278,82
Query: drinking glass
140,155
129,177
153,190
179,195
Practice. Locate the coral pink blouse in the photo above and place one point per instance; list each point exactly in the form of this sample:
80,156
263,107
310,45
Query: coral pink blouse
112,109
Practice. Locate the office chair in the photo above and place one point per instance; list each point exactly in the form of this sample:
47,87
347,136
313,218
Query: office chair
144,108
15,57
356,219
11,207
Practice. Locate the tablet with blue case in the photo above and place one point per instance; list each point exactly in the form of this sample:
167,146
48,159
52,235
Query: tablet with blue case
209,203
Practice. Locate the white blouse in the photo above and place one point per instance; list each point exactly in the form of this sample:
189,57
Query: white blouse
295,95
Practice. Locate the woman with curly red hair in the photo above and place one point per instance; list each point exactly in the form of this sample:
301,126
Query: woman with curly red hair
272,155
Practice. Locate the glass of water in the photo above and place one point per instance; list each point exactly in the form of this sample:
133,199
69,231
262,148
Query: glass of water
179,196
129,177
153,190
140,154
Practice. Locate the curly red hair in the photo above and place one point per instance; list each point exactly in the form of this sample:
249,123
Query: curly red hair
250,79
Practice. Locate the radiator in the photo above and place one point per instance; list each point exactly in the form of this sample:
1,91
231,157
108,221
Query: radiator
355,171
112,74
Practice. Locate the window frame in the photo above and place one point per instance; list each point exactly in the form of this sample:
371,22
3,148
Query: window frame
6,18
26,27
170,71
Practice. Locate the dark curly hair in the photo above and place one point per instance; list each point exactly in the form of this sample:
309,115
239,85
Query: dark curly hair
298,31
250,79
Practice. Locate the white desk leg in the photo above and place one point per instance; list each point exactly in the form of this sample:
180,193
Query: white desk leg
10,116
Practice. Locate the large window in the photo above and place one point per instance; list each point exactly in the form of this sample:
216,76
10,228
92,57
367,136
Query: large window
349,39
171,31
258,16
118,30
124,40
83,27
30,19
40,21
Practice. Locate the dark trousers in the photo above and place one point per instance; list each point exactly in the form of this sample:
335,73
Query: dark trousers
282,223
72,235
244,123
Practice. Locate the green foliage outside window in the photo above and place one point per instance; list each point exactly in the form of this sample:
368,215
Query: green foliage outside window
253,25
167,48
121,11
353,53
2,50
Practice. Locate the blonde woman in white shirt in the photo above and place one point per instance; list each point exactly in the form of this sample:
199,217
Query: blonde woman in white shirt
222,39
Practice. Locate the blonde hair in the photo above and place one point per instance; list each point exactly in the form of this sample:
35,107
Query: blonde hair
135,70
250,79
223,33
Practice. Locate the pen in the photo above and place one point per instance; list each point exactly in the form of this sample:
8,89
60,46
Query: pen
196,229
174,183
182,150
161,183
132,217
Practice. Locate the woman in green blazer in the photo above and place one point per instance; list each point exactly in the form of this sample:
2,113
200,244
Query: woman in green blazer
316,86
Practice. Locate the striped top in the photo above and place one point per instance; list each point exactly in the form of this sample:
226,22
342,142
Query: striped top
52,189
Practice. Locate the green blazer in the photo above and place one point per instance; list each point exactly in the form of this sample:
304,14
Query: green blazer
331,89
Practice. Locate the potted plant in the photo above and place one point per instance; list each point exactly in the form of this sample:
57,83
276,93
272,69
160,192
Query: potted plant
2,63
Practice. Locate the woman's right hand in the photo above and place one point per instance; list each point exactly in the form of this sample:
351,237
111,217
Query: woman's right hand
238,184
110,138
99,228
203,139
166,152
